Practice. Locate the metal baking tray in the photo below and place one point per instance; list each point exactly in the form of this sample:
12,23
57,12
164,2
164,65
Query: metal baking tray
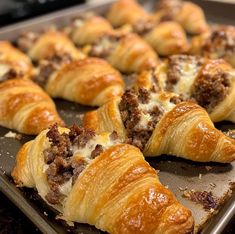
177,174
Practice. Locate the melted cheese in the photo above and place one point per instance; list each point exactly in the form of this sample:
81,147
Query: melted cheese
3,70
66,187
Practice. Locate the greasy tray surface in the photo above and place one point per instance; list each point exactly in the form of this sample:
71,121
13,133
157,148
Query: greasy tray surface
175,173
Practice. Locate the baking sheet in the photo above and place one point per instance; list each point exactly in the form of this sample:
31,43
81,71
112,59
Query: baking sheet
178,174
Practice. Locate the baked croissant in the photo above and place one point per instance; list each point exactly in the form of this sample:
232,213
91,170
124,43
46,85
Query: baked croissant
89,81
165,37
218,43
41,46
208,82
161,123
25,107
126,52
87,29
188,14
93,179
13,59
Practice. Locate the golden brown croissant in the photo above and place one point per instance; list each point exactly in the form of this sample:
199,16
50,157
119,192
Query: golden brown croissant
188,14
126,52
165,37
12,61
160,123
25,107
208,82
93,179
219,43
89,81
41,46
86,30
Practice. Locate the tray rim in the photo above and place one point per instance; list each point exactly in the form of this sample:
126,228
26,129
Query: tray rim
225,213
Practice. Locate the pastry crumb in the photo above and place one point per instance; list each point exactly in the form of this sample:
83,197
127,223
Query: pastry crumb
14,135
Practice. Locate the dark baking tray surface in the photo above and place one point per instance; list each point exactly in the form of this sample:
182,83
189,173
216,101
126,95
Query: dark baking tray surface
177,174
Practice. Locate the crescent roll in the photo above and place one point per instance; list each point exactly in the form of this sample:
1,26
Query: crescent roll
211,83
41,46
25,107
89,81
219,43
188,14
12,61
91,178
165,37
86,30
126,52
161,123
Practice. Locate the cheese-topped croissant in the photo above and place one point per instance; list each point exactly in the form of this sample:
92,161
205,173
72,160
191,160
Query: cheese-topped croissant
188,14
218,43
13,62
40,46
89,81
126,52
208,82
25,107
160,123
165,37
92,178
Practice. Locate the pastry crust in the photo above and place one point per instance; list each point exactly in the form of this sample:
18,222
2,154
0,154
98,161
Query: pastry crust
187,14
25,107
111,197
92,82
209,82
184,130
15,59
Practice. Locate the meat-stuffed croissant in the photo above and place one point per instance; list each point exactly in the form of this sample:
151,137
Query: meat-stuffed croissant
88,28
93,179
14,61
41,46
126,52
211,83
218,43
89,81
156,124
165,37
25,107
188,14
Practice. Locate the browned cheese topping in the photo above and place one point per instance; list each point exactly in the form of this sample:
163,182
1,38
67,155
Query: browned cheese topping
49,65
27,40
210,89
220,43
105,45
139,116
143,26
178,66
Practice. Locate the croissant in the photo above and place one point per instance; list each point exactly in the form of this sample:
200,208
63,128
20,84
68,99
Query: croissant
161,123
165,37
188,14
86,30
126,52
219,43
89,81
86,183
41,46
13,59
25,107
208,82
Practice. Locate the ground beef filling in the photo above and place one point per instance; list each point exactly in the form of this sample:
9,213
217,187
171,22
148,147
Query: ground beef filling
49,65
221,42
27,40
176,65
104,46
142,27
131,113
61,166
209,90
